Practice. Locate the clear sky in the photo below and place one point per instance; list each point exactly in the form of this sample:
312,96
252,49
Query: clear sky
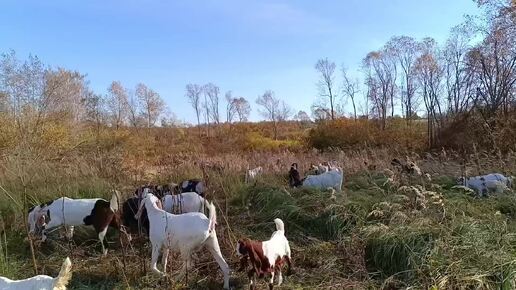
247,46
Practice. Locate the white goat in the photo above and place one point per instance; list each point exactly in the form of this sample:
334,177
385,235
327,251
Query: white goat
333,179
184,202
484,184
186,233
252,174
68,212
40,282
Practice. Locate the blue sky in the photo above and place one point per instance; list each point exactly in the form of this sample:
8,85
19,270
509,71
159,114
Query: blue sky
246,46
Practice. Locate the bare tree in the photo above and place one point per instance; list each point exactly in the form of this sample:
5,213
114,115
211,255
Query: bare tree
133,108
302,117
284,112
459,79
350,89
230,107
117,104
95,110
406,50
242,109
212,92
193,93
326,83
381,83
151,103
271,110
430,73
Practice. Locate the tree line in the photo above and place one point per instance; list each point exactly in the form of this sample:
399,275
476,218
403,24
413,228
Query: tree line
472,74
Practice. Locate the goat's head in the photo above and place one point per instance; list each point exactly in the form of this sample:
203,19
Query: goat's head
150,199
461,181
242,248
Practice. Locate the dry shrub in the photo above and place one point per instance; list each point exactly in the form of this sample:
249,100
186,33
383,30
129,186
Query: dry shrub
470,132
350,134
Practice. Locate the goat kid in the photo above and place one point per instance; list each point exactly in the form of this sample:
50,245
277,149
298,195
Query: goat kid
69,213
266,257
252,174
41,282
185,233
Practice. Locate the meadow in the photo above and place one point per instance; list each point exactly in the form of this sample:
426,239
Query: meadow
381,232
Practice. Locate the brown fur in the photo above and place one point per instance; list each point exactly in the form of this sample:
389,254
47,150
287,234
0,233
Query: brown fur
252,251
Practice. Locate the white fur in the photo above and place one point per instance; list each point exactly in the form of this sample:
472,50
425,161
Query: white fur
67,212
489,183
184,202
40,282
184,233
252,174
331,179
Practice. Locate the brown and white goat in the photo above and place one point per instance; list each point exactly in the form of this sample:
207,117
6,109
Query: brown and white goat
266,257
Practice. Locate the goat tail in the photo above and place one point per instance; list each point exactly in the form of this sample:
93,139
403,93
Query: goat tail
280,226
64,276
113,203
213,216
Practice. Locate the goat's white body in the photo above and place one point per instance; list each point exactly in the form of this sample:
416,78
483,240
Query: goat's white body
331,179
184,233
40,282
252,174
493,182
277,246
69,213
184,202
64,211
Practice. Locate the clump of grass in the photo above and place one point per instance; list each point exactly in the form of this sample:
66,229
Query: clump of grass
399,251
305,211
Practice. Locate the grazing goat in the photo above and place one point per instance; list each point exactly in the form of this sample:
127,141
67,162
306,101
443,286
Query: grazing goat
252,174
294,178
484,184
186,233
328,179
129,209
191,185
184,202
68,212
40,282
266,257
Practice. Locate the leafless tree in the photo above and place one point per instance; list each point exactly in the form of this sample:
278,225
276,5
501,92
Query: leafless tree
133,108
193,93
302,117
429,73
458,77
212,102
381,82
230,107
242,109
350,89
272,109
326,69
117,104
406,50
151,104
95,110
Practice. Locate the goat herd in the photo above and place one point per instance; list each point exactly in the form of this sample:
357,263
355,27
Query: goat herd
173,216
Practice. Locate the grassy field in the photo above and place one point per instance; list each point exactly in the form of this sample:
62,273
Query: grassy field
410,233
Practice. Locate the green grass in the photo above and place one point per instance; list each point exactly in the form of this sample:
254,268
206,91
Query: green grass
469,243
